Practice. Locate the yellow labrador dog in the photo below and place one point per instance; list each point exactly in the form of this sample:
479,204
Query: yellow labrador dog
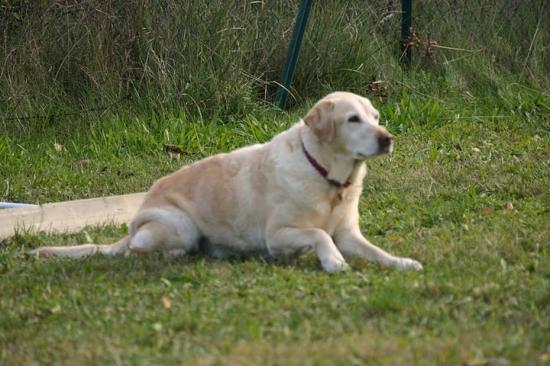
298,192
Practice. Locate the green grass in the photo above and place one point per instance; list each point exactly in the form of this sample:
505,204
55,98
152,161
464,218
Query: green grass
91,91
441,198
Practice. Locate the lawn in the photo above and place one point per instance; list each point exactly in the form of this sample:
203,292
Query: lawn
466,192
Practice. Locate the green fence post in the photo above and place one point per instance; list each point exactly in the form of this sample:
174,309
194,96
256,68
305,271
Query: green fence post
293,51
406,24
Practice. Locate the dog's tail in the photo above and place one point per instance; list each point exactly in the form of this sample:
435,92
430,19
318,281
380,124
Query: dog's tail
84,250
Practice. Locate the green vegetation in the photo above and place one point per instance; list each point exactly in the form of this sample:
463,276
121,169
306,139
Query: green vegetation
219,59
466,191
442,198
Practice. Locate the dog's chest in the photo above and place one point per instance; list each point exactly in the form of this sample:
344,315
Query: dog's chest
328,213
337,198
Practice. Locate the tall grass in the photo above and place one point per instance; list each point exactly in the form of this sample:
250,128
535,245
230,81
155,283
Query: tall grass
222,58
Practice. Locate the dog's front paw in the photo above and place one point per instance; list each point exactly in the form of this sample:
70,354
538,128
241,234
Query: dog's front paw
335,265
405,264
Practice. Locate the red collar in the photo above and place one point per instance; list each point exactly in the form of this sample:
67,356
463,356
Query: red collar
322,170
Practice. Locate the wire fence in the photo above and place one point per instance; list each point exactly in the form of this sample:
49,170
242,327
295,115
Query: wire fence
220,57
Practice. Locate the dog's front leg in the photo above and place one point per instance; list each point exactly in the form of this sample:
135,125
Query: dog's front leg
352,243
287,241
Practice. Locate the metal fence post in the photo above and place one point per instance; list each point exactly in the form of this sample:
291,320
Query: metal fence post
406,24
293,51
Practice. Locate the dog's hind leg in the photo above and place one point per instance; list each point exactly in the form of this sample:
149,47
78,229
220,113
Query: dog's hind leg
167,230
84,250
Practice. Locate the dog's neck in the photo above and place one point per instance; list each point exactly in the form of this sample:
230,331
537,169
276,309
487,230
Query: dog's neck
340,168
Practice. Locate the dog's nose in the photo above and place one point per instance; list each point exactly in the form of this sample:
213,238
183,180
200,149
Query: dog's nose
384,141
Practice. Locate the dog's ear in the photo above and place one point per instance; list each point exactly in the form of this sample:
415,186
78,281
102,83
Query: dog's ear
320,120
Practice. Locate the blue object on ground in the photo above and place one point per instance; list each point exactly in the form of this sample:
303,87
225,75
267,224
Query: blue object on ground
15,205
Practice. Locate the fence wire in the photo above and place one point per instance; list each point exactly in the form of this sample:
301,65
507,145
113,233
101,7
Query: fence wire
197,55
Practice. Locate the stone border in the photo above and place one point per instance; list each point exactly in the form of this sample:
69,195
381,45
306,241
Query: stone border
70,216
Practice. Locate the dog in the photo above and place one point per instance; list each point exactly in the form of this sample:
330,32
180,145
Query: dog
298,192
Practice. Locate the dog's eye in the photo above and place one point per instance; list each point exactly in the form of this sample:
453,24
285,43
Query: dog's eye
354,119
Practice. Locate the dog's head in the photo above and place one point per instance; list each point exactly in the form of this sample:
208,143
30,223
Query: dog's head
349,124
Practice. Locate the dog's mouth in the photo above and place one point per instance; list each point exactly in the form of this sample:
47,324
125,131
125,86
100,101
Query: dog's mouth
385,149
381,151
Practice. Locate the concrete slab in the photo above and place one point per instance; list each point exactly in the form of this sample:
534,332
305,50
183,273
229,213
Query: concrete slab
70,216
